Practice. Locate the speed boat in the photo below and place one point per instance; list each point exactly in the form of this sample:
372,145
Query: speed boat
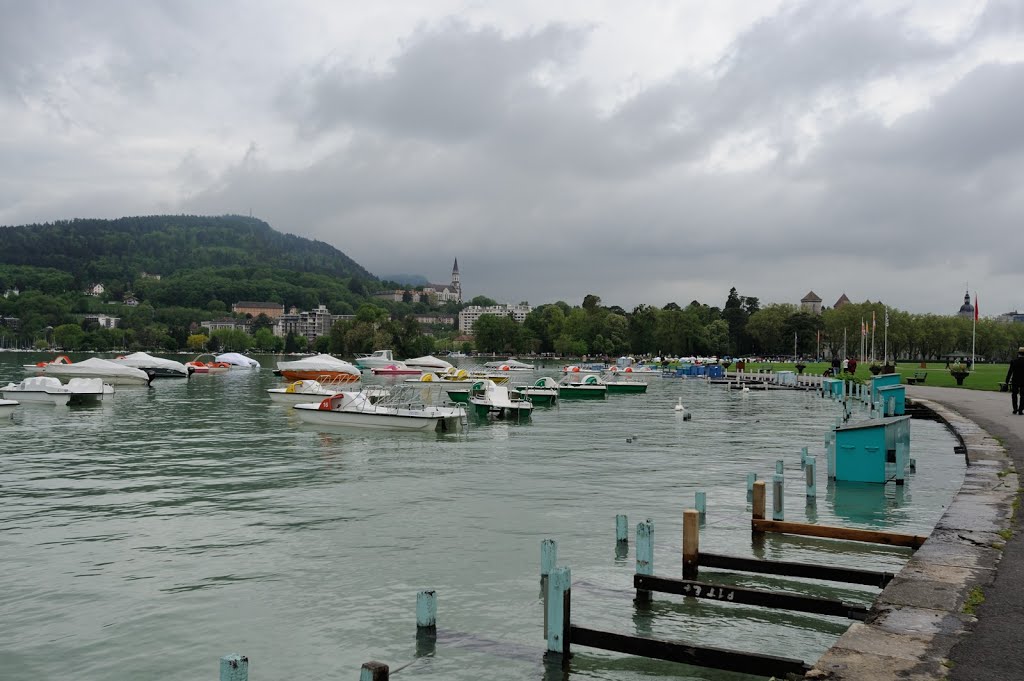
375,360
157,367
428,363
94,367
237,361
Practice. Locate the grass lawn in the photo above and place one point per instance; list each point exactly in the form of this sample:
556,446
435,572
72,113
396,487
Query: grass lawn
983,377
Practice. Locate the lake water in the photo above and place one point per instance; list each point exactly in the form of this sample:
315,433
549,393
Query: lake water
148,536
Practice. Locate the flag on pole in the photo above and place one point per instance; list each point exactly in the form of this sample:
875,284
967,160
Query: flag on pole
975,306
887,316
872,321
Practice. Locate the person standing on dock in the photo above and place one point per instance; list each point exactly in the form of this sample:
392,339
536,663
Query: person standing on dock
1015,378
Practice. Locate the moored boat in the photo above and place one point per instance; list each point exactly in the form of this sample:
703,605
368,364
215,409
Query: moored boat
157,367
237,360
625,386
544,391
356,409
7,406
201,365
38,390
428,363
307,390
490,399
591,387
396,369
319,366
94,367
509,364
375,359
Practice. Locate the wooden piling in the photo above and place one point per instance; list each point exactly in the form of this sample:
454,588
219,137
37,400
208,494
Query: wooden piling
759,498
621,529
234,667
829,532
778,497
426,610
374,671
644,554
548,556
691,543
810,471
559,584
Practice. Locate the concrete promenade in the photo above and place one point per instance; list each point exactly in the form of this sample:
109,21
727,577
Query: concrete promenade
956,610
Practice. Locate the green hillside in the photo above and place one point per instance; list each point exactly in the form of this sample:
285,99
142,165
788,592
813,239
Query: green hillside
119,250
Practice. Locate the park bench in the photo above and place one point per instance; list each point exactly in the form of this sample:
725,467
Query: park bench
918,377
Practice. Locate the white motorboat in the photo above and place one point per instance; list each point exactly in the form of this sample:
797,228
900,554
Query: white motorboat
358,410
300,391
39,390
94,367
510,364
318,368
8,405
428,363
489,398
375,360
237,360
157,367
89,390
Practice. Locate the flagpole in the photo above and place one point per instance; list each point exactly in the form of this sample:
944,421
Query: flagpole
974,330
885,341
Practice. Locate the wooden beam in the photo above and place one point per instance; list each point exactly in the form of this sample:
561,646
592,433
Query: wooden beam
687,653
735,594
778,567
849,534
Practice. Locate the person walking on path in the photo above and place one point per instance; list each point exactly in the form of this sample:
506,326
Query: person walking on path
1015,378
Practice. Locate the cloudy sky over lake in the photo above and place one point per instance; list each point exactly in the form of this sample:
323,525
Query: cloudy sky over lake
646,152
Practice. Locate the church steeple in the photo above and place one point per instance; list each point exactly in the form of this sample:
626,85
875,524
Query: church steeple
455,280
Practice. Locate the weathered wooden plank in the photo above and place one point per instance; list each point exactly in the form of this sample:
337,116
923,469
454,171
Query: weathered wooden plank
850,534
735,594
688,653
789,569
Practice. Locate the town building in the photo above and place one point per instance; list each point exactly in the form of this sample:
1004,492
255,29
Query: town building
431,294
95,290
811,303
225,324
843,300
311,324
469,315
435,319
100,321
254,308
1011,317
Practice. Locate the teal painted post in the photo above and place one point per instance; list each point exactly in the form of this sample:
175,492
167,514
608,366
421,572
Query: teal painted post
700,502
234,667
751,479
621,529
779,466
811,471
559,583
803,457
374,671
839,422
426,610
548,556
778,503
644,554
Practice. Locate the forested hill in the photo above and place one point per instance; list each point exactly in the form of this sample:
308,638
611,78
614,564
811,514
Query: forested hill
109,250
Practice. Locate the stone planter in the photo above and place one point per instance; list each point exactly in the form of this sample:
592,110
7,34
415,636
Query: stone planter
800,368
959,376
875,370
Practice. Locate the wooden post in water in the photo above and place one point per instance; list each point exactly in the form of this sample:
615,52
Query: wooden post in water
234,667
778,502
644,555
621,529
759,495
426,611
812,484
700,502
559,584
691,543
374,671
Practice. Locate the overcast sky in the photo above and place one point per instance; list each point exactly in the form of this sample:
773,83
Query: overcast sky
645,152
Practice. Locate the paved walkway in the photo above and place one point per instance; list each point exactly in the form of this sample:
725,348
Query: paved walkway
992,650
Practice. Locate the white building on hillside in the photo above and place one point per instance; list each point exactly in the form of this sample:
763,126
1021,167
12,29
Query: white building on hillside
469,315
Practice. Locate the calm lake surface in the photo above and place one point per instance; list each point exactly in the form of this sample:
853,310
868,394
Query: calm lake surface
148,536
